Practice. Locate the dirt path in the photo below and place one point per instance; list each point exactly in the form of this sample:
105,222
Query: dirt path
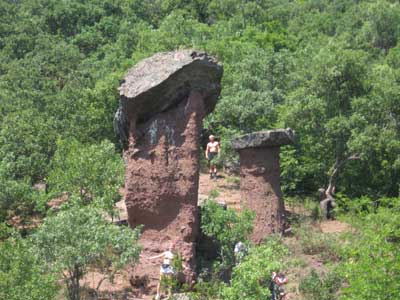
334,226
228,188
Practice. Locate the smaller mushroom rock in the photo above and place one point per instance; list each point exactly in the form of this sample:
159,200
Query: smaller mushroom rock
260,178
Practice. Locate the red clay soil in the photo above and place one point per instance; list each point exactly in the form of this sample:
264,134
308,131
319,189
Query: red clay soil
162,185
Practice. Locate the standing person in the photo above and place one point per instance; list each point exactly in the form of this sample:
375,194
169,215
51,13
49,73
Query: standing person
212,151
277,282
240,252
166,269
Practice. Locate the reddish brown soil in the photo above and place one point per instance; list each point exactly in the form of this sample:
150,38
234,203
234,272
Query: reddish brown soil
299,265
227,187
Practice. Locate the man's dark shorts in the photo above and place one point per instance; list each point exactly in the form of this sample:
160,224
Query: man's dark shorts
211,156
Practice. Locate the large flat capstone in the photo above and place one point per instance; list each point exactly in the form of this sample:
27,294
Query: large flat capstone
263,139
163,80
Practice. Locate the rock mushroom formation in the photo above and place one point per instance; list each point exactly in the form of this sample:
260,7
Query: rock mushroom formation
260,178
163,100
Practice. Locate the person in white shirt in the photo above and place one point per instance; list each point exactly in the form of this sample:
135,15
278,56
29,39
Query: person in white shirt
212,151
240,252
166,268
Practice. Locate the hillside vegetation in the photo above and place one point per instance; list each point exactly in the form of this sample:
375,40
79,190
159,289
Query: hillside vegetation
330,70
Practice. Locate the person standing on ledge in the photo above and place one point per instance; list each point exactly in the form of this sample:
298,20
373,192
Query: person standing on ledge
212,151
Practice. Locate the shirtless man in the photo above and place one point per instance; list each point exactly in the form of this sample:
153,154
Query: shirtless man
212,151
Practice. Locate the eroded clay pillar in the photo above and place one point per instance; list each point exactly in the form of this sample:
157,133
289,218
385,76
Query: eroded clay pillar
163,102
260,178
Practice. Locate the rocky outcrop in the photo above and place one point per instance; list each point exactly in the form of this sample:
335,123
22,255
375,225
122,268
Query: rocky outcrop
163,102
162,81
260,178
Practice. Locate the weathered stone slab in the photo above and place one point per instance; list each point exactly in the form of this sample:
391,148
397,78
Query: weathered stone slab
263,139
158,83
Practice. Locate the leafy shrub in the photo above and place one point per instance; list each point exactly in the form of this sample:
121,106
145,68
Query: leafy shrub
317,288
373,257
227,227
15,194
205,290
364,205
94,173
172,284
251,278
357,206
21,274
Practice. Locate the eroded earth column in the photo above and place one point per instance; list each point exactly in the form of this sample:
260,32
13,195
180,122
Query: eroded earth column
163,102
260,178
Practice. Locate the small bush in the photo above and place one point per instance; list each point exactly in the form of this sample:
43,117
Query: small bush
172,283
364,205
317,288
251,278
313,242
206,290
226,227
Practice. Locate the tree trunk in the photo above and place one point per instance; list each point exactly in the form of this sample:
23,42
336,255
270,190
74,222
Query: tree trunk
73,285
327,198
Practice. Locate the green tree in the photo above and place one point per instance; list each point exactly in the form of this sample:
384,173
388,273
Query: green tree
321,113
94,173
21,274
15,197
78,238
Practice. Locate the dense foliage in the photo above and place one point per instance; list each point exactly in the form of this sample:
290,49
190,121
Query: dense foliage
330,70
21,274
93,173
372,268
327,69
